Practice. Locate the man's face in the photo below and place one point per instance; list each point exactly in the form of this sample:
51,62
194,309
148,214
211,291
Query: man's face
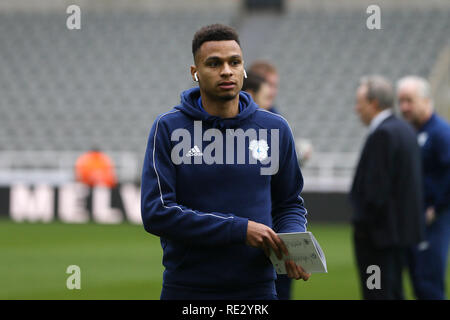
273,80
363,107
411,104
220,69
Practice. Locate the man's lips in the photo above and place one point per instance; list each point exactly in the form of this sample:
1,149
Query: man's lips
227,85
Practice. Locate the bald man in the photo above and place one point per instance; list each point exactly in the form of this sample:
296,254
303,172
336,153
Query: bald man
428,260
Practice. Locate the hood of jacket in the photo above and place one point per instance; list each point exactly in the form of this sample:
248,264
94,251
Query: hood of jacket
190,107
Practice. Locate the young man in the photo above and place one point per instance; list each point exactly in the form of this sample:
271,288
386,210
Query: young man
386,192
219,173
428,261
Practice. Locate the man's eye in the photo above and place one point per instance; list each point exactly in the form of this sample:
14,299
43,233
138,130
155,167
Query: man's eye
213,64
235,63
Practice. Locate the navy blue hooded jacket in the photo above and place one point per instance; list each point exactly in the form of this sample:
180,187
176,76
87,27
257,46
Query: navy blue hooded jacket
200,211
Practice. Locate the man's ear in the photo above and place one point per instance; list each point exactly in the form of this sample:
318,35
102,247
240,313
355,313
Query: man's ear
375,105
193,71
428,103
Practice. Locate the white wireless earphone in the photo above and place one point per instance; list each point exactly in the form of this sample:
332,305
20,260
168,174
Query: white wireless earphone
245,74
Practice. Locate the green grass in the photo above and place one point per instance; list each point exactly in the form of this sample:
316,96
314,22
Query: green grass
124,262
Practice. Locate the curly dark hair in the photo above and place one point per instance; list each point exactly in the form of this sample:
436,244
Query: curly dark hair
213,32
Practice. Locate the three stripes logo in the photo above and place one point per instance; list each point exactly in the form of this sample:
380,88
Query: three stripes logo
194,152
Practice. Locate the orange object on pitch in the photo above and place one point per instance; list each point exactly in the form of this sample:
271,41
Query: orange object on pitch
95,168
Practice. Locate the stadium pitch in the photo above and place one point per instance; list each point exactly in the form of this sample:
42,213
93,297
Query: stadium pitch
124,262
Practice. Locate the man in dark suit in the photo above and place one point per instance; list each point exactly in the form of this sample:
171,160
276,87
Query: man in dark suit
386,194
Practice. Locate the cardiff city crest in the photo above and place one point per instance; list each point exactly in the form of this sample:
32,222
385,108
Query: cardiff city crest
259,149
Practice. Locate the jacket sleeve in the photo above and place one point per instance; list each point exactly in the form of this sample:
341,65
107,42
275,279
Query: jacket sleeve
443,157
164,217
288,211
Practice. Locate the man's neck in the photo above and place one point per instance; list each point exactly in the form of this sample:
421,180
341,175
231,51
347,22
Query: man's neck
379,117
376,113
221,108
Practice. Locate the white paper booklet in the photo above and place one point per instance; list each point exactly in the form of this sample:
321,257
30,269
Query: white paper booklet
304,250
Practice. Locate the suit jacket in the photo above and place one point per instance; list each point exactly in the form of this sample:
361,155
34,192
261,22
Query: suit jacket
387,188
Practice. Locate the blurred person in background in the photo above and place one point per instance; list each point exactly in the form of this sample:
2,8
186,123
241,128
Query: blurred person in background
95,168
259,89
428,260
269,73
386,193
262,83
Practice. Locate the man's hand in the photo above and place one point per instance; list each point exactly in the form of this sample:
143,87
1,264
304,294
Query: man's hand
296,272
430,215
261,236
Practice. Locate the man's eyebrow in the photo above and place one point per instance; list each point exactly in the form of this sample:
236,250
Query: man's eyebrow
213,58
219,58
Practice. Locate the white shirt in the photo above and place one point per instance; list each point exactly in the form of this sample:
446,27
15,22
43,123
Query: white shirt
378,119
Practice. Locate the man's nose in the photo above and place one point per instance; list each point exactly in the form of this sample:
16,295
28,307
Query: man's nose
226,70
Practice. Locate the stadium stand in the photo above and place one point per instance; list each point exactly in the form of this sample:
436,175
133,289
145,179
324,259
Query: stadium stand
62,91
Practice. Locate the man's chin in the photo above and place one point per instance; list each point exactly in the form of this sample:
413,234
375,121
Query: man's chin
222,95
227,96
410,119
